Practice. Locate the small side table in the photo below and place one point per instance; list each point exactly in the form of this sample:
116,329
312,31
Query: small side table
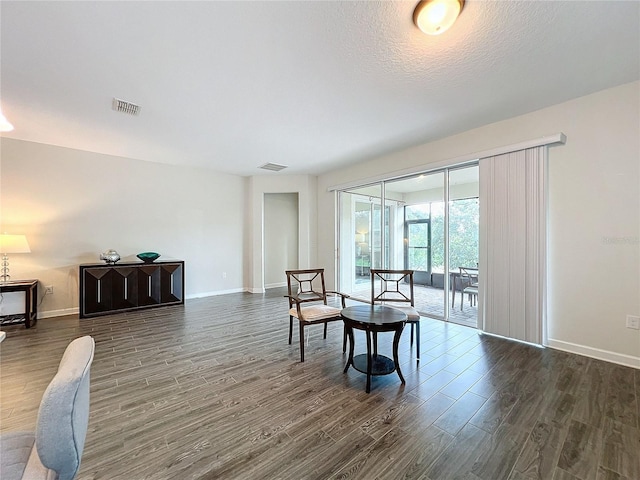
374,319
30,289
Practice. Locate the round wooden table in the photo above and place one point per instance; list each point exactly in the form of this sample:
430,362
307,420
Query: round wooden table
373,319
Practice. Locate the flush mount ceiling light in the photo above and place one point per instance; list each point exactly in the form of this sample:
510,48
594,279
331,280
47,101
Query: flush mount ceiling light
434,17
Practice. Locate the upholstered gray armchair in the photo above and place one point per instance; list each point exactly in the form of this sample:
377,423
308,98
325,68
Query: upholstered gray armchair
54,451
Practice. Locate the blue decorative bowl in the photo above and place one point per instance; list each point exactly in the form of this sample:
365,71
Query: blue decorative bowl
148,257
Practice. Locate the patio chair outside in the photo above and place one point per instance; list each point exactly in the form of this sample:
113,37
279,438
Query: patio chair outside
469,282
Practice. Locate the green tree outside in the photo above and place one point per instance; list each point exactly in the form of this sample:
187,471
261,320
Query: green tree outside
463,234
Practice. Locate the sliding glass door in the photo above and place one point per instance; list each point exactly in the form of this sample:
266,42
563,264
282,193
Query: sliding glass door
360,238
419,237
429,224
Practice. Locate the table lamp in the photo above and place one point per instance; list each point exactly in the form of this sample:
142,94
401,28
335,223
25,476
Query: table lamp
11,244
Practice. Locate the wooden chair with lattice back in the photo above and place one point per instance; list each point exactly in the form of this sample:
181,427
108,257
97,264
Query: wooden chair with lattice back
394,288
308,303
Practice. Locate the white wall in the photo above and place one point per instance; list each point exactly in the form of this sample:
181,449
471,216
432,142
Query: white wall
280,237
73,205
466,190
594,212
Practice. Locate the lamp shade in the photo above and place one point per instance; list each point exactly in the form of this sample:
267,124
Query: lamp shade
5,126
434,17
14,244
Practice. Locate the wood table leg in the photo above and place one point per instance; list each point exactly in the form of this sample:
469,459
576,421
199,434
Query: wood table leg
27,308
396,341
375,343
30,306
349,331
369,362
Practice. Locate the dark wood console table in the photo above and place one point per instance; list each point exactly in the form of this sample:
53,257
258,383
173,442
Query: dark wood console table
373,319
30,289
110,288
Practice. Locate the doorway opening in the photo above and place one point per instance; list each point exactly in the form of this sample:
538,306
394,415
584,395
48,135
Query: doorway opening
281,237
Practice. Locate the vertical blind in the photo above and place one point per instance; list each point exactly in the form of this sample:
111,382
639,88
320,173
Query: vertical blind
513,216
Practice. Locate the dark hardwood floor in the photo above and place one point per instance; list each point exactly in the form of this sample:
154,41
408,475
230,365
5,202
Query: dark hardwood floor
213,390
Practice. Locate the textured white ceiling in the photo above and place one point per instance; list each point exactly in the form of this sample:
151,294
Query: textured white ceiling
312,85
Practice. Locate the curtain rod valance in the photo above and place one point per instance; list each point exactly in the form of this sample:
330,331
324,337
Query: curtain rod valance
557,138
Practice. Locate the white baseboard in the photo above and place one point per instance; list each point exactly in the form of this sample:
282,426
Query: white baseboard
59,313
256,290
613,357
276,285
76,310
212,294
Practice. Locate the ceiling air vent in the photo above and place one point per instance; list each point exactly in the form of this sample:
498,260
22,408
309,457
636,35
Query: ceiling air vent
125,107
274,167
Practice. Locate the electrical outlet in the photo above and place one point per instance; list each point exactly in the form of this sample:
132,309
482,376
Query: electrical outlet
224,274
48,290
633,322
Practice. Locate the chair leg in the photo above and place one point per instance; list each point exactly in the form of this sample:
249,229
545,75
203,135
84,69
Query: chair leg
290,328
417,339
301,342
411,334
325,330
